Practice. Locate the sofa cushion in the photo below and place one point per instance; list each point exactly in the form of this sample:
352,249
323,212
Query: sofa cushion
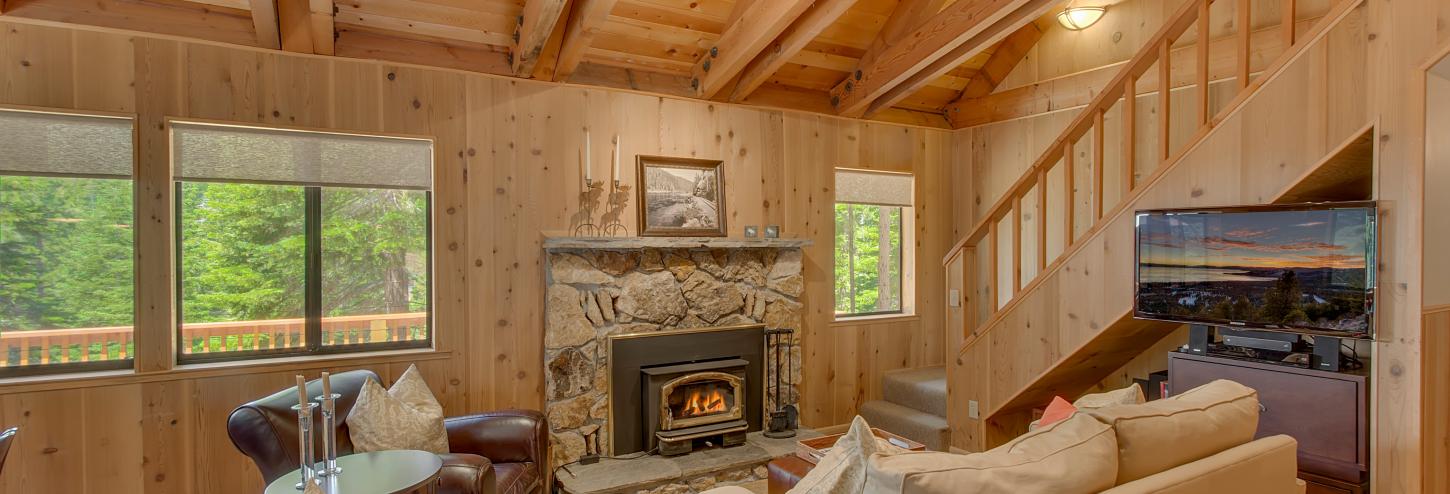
1071,456
1198,423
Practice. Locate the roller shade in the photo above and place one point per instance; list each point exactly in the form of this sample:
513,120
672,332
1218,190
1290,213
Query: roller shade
882,189
37,143
227,153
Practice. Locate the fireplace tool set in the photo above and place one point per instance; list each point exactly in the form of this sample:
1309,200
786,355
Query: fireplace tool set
786,417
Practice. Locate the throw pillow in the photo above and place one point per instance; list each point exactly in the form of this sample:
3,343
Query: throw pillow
1131,395
405,416
843,469
1057,411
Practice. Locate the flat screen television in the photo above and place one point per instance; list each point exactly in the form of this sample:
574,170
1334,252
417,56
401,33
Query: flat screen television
1306,268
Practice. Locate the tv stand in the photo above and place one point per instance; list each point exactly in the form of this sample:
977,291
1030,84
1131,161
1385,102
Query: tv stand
1327,412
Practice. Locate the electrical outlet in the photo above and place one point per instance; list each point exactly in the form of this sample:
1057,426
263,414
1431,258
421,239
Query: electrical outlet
954,298
972,411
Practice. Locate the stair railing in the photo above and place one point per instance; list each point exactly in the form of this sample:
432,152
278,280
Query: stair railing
1090,124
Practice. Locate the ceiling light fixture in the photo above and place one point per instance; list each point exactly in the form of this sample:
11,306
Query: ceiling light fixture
1080,18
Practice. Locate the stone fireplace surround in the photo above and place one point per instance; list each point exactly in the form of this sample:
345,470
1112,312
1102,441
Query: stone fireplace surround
599,287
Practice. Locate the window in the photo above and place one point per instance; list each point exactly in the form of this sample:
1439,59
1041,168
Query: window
872,228
294,242
67,283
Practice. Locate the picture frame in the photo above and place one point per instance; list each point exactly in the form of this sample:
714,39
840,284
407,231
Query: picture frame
680,197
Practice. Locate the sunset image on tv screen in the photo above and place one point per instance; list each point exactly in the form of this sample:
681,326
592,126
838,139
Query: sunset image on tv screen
1304,269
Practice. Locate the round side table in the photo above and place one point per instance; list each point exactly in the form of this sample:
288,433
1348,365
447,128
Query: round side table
378,472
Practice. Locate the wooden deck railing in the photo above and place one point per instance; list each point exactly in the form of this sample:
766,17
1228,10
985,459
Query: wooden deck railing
1089,124
46,346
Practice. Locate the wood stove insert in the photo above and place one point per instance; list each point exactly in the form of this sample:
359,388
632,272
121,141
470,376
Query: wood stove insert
679,390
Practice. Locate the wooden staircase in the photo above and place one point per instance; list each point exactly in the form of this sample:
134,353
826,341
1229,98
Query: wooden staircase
1067,327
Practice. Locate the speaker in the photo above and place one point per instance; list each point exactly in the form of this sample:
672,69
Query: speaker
1198,338
1326,354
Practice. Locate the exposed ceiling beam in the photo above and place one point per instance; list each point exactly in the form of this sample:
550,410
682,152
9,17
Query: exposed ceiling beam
792,41
549,57
908,15
584,21
741,42
536,25
264,20
930,46
366,45
1006,57
975,46
305,26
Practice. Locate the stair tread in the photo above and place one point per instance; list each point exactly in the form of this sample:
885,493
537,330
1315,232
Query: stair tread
916,425
923,389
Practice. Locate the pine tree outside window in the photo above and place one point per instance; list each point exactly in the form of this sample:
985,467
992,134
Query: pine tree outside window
872,243
67,257
298,242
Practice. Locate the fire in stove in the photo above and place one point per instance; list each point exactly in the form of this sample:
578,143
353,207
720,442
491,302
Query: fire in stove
703,403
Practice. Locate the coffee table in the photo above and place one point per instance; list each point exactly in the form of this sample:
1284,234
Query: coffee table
378,472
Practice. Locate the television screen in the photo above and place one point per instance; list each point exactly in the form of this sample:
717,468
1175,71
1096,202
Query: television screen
1303,268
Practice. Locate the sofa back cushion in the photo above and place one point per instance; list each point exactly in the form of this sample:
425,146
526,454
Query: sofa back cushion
1076,455
1198,423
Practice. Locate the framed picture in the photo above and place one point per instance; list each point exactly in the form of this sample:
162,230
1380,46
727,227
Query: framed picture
681,197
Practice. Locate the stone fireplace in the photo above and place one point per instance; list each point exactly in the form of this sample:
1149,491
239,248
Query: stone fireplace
615,304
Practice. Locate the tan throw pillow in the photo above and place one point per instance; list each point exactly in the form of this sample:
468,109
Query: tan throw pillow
1131,395
843,469
1196,424
1076,455
403,417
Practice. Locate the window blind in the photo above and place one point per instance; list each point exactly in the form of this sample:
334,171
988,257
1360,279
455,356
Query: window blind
866,187
229,153
39,143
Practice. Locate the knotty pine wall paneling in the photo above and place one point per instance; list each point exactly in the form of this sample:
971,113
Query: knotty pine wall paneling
506,168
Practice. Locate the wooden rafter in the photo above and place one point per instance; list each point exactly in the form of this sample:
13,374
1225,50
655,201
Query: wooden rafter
1007,56
741,42
264,20
304,26
940,37
536,25
990,35
584,21
791,42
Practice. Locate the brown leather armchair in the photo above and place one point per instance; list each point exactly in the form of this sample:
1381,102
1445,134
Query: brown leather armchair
504,451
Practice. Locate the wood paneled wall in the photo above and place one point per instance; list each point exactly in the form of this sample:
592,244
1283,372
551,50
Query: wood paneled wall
1362,74
507,174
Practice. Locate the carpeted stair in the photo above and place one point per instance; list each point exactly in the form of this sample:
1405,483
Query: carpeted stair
913,405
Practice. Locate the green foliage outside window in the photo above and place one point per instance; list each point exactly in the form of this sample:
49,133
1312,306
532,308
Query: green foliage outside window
868,259
66,259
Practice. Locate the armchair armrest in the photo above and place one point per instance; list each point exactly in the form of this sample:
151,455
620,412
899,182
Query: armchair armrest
504,436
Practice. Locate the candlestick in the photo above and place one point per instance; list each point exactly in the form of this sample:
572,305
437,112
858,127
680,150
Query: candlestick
616,160
588,163
329,428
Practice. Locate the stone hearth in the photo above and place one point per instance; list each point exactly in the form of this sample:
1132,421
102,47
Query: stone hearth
603,287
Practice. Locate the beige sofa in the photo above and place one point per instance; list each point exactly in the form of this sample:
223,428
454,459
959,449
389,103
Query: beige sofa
1200,441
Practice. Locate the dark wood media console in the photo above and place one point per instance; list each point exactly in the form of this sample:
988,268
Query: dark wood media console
1327,412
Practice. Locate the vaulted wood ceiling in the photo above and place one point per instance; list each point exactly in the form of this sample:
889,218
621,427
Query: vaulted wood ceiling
897,60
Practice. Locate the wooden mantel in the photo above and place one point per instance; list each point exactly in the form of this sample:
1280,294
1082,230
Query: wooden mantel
627,243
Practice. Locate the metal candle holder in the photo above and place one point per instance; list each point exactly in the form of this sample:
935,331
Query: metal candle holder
304,443
329,435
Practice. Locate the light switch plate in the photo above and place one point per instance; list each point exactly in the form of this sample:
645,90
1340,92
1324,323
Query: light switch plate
954,298
972,411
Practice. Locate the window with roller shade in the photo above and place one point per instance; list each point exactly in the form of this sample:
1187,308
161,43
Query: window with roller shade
298,242
67,269
872,238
